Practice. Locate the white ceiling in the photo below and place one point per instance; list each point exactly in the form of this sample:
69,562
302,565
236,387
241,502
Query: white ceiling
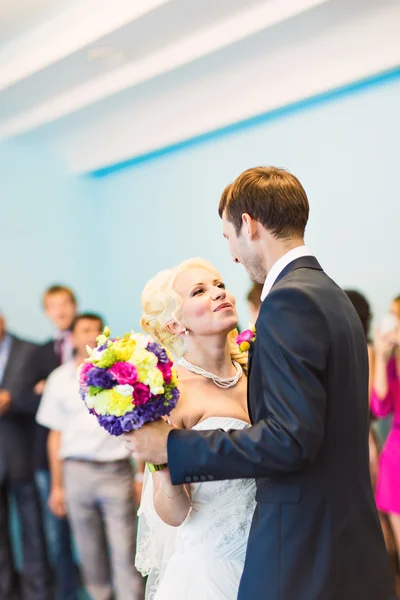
17,17
174,68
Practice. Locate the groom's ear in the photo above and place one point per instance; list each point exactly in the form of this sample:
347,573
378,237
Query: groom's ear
249,225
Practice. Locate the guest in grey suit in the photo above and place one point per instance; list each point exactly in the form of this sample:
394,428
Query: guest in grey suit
18,406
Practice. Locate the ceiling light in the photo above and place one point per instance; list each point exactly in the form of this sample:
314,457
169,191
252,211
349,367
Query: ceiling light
106,54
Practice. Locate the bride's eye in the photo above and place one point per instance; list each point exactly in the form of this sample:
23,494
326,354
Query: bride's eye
221,285
197,292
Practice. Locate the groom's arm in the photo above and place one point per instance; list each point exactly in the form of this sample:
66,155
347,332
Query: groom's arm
292,339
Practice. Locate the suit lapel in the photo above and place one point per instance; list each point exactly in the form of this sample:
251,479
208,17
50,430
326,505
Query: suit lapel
249,365
304,262
12,365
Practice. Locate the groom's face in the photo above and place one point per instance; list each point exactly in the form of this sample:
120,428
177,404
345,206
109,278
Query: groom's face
243,250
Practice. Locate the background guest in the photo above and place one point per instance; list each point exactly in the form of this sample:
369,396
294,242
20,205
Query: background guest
254,301
91,478
362,307
17,409
60,307
395,307
385,400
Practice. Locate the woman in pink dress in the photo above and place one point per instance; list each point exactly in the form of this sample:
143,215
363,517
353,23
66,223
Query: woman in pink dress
385,400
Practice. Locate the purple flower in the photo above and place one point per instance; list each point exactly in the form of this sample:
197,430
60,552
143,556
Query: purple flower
103,347
98,377
175,393
148,413
86,367
158,351
111,424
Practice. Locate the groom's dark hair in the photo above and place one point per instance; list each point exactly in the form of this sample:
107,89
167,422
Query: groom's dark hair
272,196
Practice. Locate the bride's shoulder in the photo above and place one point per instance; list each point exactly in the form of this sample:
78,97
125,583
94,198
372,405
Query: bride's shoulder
189,409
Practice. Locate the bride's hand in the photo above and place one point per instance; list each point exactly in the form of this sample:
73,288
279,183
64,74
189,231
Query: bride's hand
149,444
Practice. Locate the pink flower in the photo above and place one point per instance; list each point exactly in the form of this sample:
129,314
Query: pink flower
124,373
165,369
245,339
245,336
141,394
83,374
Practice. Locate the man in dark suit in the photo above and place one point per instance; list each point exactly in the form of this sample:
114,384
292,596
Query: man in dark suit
315,533
17,410
60,308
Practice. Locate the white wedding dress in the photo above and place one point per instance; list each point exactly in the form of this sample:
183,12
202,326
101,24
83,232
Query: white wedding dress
202,559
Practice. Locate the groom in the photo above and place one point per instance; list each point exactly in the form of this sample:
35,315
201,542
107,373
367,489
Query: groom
315,533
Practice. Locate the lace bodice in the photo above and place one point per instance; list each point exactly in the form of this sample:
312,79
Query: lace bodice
216,528
221,513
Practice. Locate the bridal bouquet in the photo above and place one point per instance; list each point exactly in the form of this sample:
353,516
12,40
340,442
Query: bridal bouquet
127,382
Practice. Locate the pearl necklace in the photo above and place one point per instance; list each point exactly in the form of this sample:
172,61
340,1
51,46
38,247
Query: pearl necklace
222,382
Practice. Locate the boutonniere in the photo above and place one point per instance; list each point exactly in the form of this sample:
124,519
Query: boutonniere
245,339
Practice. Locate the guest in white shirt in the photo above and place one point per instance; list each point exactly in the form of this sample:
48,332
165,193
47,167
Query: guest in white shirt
60,307
91,478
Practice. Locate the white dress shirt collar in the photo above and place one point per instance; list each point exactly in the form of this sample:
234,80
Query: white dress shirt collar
280,264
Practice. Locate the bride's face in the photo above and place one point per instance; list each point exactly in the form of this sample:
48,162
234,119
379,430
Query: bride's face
207,308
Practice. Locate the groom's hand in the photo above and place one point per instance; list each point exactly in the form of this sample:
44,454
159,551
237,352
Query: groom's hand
149,444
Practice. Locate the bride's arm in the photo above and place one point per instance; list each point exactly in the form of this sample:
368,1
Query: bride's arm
172,502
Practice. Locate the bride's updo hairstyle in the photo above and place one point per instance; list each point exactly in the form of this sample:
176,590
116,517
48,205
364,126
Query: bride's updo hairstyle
161,306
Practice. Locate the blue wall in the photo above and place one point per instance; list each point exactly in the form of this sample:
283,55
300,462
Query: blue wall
47,226
107,236
345,151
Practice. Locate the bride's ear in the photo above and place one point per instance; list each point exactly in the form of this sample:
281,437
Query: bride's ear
174,328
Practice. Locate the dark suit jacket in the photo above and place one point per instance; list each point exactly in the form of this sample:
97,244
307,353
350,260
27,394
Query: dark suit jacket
45,361
17,424
316,533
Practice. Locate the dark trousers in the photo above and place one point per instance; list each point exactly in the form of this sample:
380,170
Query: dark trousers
33,583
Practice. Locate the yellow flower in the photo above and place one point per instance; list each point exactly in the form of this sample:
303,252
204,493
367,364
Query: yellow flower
143,359
244,346
154,379
101,339
142,372
119,404
100,402
110,402
108,358
123,348
174,379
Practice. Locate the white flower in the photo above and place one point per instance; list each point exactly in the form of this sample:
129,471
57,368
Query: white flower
97,354
140,339
124,390
89,401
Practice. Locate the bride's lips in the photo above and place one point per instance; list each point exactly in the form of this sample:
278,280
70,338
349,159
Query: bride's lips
223,305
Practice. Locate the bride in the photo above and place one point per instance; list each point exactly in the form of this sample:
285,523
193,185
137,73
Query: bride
192,538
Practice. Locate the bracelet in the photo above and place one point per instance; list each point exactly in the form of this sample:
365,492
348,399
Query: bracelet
170,497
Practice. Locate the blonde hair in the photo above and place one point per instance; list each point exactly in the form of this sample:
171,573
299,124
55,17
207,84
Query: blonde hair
161,305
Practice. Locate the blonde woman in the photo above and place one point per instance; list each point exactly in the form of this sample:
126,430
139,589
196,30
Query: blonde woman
192,538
